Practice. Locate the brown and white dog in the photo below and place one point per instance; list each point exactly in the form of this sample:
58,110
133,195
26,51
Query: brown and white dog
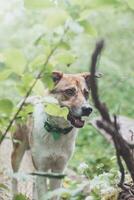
71,91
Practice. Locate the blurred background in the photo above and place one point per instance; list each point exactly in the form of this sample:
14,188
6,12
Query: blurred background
30,29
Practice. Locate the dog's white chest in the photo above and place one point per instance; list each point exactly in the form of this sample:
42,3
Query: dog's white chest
48,146
44,146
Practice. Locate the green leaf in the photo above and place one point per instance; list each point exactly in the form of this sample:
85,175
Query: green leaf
56,110
38,39
84,15
3,186
94,3
55,17
21,89
6,106
26,110
80,2
89,29
47,80
20,197
47,77
130,4
102,3
26,82
27,79
37,61
64,45
64,57
5,74
39,88
37,4
15,60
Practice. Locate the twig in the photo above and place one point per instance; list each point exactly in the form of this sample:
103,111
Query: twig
30,89
94,88
119,161
122,148
48,175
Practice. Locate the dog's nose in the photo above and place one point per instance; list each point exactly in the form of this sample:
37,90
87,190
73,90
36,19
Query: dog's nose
86,111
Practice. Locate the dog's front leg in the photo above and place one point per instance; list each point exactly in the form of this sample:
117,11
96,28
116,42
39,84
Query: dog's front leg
57,183
41,187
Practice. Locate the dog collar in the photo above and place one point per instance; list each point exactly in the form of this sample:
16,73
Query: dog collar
56,131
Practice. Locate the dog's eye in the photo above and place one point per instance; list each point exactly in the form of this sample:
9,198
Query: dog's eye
70,92
86,94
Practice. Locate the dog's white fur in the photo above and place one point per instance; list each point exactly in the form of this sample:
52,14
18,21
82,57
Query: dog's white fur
49,153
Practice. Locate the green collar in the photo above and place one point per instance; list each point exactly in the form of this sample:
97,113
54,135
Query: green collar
56,131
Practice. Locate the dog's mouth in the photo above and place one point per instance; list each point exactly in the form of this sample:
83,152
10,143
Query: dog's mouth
76,121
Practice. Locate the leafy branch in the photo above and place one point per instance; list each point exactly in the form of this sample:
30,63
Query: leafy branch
31,88
111,127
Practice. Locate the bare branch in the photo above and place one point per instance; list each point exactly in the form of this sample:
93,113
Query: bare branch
48,175
101,107
112,128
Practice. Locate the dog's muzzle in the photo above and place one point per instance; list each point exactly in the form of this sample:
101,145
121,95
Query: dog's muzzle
77,121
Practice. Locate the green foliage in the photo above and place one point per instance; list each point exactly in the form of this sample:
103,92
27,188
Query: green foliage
37,4
15,60
5,74
6,107
47,77
88,27
95,3
100,157
20,197
64,57
130,4
27,37
55,17
37,61
104,186
56,110
3,187
26,81
47,80
28,109
39,88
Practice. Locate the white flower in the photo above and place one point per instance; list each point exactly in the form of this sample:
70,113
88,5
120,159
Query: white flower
82,167
89,198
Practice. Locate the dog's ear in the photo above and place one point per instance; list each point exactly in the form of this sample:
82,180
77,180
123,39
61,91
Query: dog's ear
56,76
87,76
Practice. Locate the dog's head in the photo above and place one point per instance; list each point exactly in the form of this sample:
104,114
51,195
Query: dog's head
72,91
